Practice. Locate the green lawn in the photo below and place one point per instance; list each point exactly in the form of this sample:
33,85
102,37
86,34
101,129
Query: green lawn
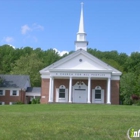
67,122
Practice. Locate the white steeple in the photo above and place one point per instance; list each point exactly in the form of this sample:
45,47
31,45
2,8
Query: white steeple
81,42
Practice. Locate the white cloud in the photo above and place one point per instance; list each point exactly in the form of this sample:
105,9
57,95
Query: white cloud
8,39
25,29
38,27
59,52
12,46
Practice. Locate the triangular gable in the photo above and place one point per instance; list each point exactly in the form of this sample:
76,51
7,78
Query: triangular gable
80,60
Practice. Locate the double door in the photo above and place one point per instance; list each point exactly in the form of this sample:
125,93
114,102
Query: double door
79,95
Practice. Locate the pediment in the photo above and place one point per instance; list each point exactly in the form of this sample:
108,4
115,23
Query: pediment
80,60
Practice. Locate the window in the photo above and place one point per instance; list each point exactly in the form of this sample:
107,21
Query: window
2,93
61,93
14,92
97,94
2,103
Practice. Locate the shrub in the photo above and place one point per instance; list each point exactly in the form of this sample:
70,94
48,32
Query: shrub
136,102
18,103
35,101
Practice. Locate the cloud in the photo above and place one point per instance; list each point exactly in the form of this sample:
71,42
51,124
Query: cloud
25,29
59,52
34,27
8,39
38,27
12,46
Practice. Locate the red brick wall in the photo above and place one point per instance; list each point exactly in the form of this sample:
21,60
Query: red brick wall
115,91
94,83
45,90
7,98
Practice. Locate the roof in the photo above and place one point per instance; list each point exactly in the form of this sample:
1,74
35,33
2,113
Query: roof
70,63
34,89
14,81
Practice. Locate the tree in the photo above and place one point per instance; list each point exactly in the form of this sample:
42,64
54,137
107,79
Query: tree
29,65
127,87
114,64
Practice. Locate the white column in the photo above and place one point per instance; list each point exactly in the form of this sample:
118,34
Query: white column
70,89
108,91
50,90
89,89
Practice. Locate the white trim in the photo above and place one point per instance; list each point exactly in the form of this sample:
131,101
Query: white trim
71,56
32,94
115,77
108,91
11,92
81,74
80,71
12,103
98,101
89,89
50,90
98,87
45,76
70,89
66,94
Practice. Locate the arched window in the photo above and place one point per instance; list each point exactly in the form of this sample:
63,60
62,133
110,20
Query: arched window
98,95
98,92
62,91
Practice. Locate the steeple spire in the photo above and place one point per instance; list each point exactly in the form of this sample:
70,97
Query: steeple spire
81,42
81,24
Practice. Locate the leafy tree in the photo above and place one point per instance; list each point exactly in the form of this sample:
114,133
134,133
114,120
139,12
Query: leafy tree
29,65
6,58
127,87
114,64
50,56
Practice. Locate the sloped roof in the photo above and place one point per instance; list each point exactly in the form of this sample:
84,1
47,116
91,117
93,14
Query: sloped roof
64,63
34,89
14,81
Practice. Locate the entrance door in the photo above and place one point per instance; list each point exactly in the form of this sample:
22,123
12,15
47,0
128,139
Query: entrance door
97,96
79,93
79,96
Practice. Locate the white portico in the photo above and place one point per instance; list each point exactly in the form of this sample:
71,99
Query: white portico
80,77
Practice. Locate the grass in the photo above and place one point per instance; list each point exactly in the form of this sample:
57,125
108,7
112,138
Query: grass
67,122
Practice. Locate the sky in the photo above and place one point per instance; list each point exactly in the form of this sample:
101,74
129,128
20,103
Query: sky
109,24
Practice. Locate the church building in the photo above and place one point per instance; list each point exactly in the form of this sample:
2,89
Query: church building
80,77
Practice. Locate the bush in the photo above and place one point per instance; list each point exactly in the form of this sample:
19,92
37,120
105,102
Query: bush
136,102
35,101
18,103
